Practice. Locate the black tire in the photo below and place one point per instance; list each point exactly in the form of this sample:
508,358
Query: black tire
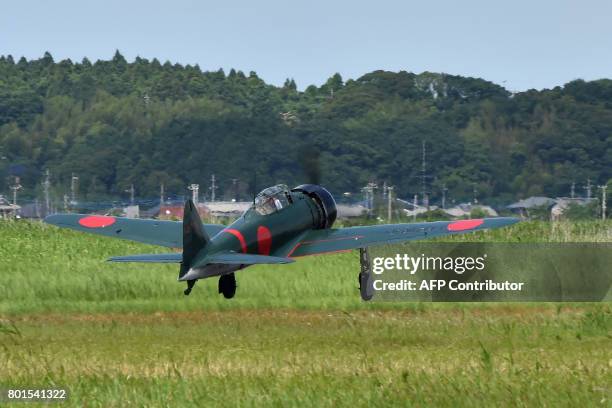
227,285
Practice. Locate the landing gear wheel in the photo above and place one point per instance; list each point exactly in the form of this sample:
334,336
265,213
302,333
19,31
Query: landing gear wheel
366,287
227,285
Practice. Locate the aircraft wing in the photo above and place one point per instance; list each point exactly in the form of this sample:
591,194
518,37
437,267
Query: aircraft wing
231,258
176,257
155,232
343,239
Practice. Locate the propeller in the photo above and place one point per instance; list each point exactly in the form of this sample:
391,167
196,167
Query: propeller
310,160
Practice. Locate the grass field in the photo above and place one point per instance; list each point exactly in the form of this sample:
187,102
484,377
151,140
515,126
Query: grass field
294,335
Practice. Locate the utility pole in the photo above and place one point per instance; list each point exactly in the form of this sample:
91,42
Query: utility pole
46,185
424,176
389,201
66,202
369,195
16,187
604,189
414,206
444,190
195,188
235,188
588,188
161,196
132,192
212,188
475,194
573,190
371,188
74,185
385,189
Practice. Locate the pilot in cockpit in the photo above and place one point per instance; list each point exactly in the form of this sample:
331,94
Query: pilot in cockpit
272,199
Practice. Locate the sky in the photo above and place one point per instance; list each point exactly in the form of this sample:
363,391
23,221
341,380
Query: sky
518,44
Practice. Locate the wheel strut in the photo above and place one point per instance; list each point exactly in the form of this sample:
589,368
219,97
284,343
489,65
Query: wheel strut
366,287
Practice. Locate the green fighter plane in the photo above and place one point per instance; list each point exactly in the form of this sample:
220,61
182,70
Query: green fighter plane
281,225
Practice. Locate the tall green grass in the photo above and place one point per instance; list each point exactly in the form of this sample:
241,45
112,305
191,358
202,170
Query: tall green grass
513,357
123,335
46,269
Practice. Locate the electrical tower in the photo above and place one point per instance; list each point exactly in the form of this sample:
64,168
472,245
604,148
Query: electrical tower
588,188
424,176
444,190
212,188
16,187
369,195
195,188
74,185
235,188
389,201
604,189
46,186
132,192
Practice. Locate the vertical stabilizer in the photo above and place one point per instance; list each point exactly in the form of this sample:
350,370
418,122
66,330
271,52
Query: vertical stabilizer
194,236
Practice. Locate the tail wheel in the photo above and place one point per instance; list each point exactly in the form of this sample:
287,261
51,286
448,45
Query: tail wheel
227,285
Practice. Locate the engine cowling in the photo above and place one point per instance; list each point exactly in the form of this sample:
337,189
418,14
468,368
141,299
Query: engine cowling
324,201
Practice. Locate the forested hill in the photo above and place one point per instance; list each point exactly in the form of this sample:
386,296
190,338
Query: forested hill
115,123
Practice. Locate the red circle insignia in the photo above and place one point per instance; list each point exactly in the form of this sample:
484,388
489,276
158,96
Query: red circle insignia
97,221
464,225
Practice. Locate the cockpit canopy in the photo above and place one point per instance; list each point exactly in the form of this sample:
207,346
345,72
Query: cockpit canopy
272,199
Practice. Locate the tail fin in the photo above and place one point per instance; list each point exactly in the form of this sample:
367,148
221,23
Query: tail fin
194,236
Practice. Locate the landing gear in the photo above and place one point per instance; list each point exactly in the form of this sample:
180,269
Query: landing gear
190,284
366,287
227,285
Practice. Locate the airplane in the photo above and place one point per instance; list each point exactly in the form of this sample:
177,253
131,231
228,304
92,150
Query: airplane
281,225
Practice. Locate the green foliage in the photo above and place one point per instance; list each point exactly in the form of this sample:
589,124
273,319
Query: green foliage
117,122
582,212
478,213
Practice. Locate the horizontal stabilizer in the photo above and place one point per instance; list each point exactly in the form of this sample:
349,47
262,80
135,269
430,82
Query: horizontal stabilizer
231,258
151,258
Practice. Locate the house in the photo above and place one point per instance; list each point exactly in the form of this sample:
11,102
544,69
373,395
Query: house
465,210
175,212
8,210
563,203
350,210
227,208
523,206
